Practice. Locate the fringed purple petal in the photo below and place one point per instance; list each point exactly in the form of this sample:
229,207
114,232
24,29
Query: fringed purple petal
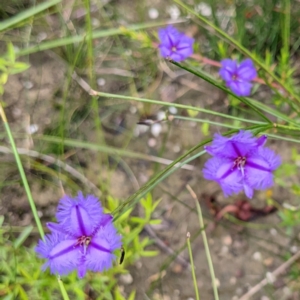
79,215
273,160
261,140
61,254
231,147
100,251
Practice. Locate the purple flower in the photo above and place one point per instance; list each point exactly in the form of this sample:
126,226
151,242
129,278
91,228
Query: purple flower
241,162
238,77
174,44
84,239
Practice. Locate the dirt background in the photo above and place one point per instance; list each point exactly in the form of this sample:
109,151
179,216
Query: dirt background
242,255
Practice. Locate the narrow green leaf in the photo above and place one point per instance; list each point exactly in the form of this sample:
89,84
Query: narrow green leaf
132,295
79,38
22,237
11,52
27,14
149,253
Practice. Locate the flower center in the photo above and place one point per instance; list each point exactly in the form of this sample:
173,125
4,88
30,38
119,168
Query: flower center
234,77
83,241
240,162
174,49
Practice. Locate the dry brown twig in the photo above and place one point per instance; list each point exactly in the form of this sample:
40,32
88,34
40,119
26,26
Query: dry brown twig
272,275
59,163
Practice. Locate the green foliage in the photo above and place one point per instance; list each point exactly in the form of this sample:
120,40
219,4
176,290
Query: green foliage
20,268
264,31
9,66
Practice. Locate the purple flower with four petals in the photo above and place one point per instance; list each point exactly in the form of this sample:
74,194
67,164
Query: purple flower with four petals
84,238
174,44
238,77
241,162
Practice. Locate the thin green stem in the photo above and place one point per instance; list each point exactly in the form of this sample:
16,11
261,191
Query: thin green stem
286,26
91,75
62,289
205,242
178,105
192,265
22,172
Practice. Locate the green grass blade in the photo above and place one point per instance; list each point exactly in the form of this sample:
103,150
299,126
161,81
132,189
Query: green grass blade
273,112
177,105
192,265
206,247
22,237
28,13
286,27
22,173
79,38
62,289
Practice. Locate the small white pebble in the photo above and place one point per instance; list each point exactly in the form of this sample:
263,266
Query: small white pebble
153,13
239,291
273,231
224,250
133,109
95,22
257,256
27,84
232,280
294,249
156,129
16,112
203,9
174,12
101,81
173,110
152,142
16,48
143,178
264,298
140,129
126,278
270,277
161,115
41,36
176,148
287,291
33,128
